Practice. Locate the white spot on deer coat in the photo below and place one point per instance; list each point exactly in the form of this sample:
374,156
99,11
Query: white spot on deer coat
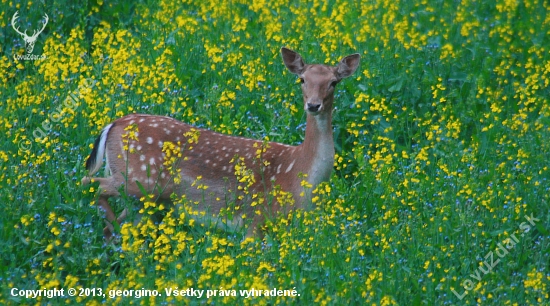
290,166
149,140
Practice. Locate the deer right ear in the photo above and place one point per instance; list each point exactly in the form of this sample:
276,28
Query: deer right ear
348,65
293,61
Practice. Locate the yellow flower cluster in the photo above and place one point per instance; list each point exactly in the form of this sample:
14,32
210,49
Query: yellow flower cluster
441,148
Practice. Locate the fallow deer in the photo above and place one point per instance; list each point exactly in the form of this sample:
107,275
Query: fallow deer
141,158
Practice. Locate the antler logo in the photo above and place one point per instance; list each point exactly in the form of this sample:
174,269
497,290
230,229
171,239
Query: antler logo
29,40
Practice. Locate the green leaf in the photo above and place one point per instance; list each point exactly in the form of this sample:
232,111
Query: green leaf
397,86
140,186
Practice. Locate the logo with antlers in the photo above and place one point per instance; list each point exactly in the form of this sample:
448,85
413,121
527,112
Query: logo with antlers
29,40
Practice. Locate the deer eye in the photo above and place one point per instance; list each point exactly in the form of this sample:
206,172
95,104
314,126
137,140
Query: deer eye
333,84
301,80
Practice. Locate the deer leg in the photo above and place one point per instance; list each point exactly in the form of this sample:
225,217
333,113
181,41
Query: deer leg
110,218
254,228
109,229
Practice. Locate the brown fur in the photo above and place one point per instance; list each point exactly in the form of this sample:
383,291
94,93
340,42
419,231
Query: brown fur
210,157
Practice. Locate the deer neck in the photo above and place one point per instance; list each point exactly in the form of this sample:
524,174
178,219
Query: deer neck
317,150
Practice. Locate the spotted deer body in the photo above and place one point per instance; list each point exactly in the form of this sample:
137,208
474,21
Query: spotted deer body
212,156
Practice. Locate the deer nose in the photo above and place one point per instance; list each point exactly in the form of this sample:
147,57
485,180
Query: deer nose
313,107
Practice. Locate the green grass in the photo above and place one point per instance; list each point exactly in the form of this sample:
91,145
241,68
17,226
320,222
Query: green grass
442,141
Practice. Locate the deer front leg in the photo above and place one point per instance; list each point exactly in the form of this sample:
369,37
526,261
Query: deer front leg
254,228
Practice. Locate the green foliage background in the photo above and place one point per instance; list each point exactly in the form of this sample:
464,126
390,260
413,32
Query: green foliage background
442,143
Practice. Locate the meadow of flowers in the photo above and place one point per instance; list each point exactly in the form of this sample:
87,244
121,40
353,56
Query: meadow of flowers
442,140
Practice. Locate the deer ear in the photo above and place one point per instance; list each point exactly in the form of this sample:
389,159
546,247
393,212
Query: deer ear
348,65
293,61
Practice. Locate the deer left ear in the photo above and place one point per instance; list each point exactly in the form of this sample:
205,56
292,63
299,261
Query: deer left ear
347,65
293,61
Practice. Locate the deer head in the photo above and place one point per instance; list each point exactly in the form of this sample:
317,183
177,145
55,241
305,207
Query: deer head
29,40
318,81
